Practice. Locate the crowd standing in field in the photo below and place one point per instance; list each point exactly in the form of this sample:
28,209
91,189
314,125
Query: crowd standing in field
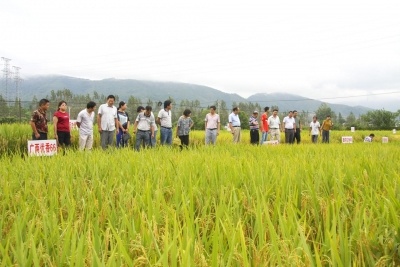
115,122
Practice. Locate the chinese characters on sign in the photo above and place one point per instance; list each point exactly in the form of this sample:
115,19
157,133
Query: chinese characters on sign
385,139
272,142
347,139
42,147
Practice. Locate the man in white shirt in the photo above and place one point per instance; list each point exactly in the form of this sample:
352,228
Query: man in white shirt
85,124
369,138
164,120
212,126
107,122
274,124
315,129
234,125
289,125
144,128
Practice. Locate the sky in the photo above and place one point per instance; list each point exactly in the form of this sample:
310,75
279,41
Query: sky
339,51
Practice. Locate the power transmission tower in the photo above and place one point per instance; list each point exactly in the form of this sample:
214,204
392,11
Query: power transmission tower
17,81
6,76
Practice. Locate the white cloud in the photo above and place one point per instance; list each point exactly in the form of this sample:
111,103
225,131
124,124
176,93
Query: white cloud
311,48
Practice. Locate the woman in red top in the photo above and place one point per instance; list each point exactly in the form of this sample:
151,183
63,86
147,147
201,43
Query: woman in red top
61,125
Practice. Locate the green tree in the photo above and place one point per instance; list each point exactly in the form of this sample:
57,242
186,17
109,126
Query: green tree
3,107
340,119
351,119
244,120
381,119
323,111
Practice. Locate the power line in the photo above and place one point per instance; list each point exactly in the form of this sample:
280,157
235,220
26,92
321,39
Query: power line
17,81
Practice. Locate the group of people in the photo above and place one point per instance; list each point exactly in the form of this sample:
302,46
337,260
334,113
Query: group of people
114,121
272,126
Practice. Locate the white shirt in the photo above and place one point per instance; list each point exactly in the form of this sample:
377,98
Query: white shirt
165,118
274,123
315,128
145,123
289,122
108,116
368,139
86,121
212,121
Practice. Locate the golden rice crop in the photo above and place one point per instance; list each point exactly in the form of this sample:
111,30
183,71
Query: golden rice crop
229,205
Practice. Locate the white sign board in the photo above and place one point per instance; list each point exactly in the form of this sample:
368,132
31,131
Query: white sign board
347,139
353,129
272,142
42,147
394,131
385,139
72,125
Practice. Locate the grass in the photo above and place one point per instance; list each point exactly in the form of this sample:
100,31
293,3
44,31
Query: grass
229,205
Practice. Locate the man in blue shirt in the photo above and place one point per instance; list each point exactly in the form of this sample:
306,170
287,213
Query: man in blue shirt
234,125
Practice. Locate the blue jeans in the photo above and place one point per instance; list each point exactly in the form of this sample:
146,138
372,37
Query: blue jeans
154,140
264,137
120,141
142,135
325,136
166,136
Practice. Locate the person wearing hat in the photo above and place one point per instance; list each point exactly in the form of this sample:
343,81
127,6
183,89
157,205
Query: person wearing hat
254,129
369,138
289,126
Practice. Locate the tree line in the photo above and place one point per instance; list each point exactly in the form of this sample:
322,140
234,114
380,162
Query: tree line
20,111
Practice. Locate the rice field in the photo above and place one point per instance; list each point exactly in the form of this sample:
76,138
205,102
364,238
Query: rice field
229,205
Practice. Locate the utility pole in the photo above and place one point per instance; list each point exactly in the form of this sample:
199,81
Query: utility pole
218,104
17,81
6,75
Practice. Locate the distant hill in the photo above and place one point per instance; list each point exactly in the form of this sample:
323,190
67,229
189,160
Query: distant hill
159,91
299,103
156,91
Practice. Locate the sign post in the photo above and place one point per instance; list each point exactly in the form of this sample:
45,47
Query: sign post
347,139
271,143
42,147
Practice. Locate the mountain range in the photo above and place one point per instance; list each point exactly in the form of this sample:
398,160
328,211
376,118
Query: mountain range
40,86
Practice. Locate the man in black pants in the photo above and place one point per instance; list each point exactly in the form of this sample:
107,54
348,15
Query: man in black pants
299,127
254,129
